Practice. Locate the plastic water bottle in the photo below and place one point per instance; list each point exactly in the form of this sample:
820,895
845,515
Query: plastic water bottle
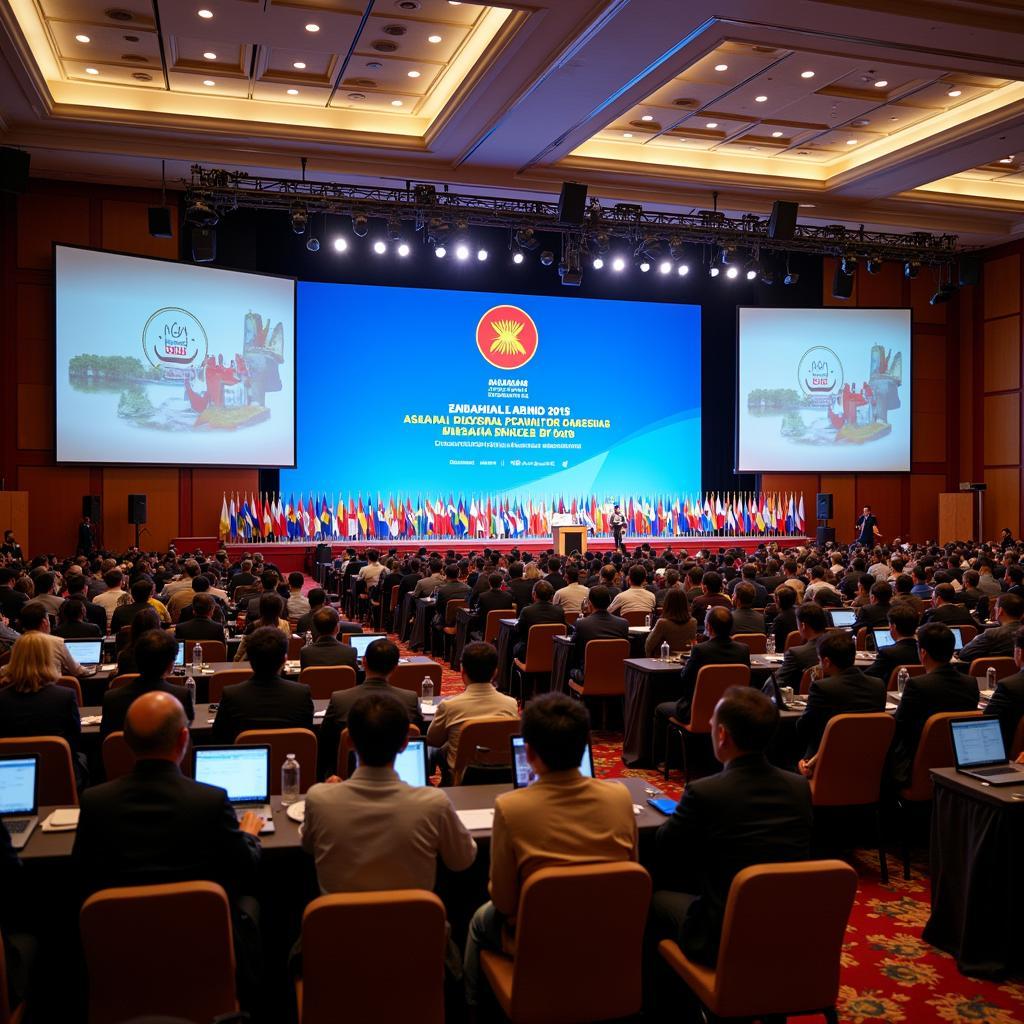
901,679
647,621
190,686
289,780
308,639
665,650
197,657
427,691
990,678
770,643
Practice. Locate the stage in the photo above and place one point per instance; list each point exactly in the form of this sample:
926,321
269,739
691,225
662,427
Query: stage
292,556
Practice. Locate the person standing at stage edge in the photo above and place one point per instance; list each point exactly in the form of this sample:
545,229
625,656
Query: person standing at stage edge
617,522
867,527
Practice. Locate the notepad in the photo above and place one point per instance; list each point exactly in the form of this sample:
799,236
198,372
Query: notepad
477,818
64,819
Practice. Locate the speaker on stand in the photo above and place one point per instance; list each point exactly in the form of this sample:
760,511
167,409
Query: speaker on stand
823,512
137,513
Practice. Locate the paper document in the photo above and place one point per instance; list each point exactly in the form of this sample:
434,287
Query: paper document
477,818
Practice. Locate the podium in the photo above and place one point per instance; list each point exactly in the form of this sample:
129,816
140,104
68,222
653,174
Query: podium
569,538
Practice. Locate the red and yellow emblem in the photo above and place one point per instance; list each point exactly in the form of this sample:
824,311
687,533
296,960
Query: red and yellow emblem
506,337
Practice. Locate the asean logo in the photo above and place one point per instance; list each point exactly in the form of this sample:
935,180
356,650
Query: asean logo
506,337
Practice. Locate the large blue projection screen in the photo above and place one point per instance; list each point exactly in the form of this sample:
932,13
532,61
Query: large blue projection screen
409,391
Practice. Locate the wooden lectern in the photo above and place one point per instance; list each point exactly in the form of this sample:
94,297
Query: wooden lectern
569,538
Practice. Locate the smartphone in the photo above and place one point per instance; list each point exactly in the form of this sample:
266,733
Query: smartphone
662,804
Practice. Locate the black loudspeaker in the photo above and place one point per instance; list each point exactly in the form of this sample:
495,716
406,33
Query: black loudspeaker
782,223
160,222
91,506
136,509
842,284
970,270
823,506
572,203
204,245
13,170
826,535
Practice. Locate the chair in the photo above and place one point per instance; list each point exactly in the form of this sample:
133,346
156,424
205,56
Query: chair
809,905
712,682
1017,744
410,677
862,639
122,680
1003,666
564,968
806,678
793,639
213,650
226,677
757,642
540,653
848,770
56,777
934,750
346,750
295,644
323,680
451,611
130,978
571,617
967,633
604,673
388,618
637,618
118,758
123,638
7,1015
282,742
484,742
913,670
345,977
491,624
72,684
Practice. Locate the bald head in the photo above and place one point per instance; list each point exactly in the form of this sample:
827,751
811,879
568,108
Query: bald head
156,727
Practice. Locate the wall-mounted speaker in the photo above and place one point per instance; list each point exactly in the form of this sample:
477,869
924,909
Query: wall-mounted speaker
160,222
204,245
136,509
572,203
13,170
823,506
782,223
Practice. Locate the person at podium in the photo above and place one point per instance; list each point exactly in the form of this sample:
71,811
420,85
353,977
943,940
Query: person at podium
617,521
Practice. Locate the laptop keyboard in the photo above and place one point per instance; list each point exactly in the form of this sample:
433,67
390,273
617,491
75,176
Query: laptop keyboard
1001,770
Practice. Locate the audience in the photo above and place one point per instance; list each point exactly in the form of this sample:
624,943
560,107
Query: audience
540,610
811,623
326,649
72,624
201,625
675,626
34,619
636,597
1007,700
998,641
143,622
903,622
271,608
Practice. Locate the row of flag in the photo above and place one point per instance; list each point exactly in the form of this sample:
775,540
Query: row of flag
271,518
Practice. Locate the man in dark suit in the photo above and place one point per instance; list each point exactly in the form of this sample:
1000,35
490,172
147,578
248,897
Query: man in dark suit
1007,700
598,625
201,585
490,600
326,649
201,625
142,591
999,640
77,587
903,624
711,596
554,576
266,701
745,617
380,660
452,589
943,687
748,574
268,581
749,813
811,623
521,589
72,622
242,578
875,614
540,611
155,652
947,609
843,690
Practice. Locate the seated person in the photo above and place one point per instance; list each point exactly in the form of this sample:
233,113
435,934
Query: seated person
271,616
903,622
600,624
541,610
636,597
997,641
201,625
710,596
326,648
143,622
296,605
875,613
745,618
572,594
490,600
947,608
34,619
811,622
201,585
73,624
1007,700
675,626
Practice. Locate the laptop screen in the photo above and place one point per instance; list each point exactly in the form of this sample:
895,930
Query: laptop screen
85,652
360,641
843,618
522,773
958,640
179,658
18,784
244,772
411,763
883,638
978,742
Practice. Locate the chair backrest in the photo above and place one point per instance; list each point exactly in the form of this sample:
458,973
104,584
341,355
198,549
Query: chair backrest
300,742
335,951
122,680
394,597
451,609
793,639
934,750
129,978
295,644
1017,744
410,677
851,759
72,684
809,905
491,624
571,617
757,642
55,782
118,758
346,748
226,677
712,682
636,618
862,638
806,678
540,646
123,637
213,650
967,633
1003,666
604,668
912,670
484,741
323,680
564,968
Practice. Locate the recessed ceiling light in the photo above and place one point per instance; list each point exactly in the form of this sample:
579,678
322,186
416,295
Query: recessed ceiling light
954,93
776,135
627,135
807,206
209,81
312,27
455,3
711,124
433,39
721,67
83,39
91,71
647,117
806,74
299,65
851,142
760,99
413,74
204,13
210,55
396,103
881,83
293,92
1006,160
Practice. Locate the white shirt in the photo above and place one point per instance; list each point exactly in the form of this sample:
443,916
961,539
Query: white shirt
372,572
571,597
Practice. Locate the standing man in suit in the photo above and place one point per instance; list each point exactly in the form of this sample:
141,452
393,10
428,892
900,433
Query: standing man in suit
600,624
380,660
999,640
617,521
266,701
541,610
903,622
1007,700
490,600
867,527
843,690
326,649
943,687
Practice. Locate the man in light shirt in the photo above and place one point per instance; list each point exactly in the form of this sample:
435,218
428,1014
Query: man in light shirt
113,595
573,594
297,605
636,597
373,570
34,618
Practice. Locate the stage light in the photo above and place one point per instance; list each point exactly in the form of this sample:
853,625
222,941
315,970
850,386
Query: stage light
440,251
790,277
727,255
462,251
618,264
360,225
517,257
403,249
665,267
943,294
340,245
874,265
644,265
380,247
481,254
602,243
911,269
300,219
767,275
751,274
394,229
526,238
683,269
849,265
732,273
547,257
713,272
676,248
598,263
201,214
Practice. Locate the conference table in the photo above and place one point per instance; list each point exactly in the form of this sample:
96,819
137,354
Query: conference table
422,614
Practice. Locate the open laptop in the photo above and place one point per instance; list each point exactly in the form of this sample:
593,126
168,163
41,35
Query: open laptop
243,772
843,618
360,641
88,653
883,638
18,779
411,763
522,773
978,751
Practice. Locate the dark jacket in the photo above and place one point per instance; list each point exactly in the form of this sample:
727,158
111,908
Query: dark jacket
117,702
951,615
795,662
781,626
534,615
262,703
522,591
328,650
78,631
50,711
849,692
490,601
199,629
1007,704
903,652
596,626
715,651
996,642
124,614
872,616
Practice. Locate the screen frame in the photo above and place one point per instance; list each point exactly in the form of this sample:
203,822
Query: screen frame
839,309
171,465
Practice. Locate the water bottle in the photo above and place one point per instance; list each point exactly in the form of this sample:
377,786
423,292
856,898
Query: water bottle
427,691
197,657
647,621
665,650
308,639
289,780
901,679
190,686
770,643
990,678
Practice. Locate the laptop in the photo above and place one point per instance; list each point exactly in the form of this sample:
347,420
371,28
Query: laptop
522,773
18,776
978,751
958,639
411,763
88,653
244,773
360,641
883,638
843,618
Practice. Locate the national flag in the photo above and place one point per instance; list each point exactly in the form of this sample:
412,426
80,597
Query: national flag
325,516
800,520
361,517
587,516
462,519
790,515
225,521
308,516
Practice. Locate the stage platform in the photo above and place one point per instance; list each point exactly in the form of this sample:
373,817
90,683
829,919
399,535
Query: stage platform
292,556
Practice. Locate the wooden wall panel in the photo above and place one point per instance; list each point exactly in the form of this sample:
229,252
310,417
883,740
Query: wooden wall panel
126,229
161,489
924,505
882,289
47,218
208,486
970,298
928,437
1002,429
34,330
1001,286
1002,340
35,417
1002,501
15,515
922,288
843,487
55,503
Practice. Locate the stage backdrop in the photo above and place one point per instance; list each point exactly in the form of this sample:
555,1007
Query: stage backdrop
409,390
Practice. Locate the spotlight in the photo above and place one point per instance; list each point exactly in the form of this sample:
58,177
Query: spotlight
618,264
340,245
849,265
874,265
727,255
713,272
602,242
526,238
767,275
440,251
598,263
911,269
665,267
569,269
751,274
645,265
481,254
683,269
360,225
300,219
547,257
462,251
517,257
791,277
943,294
380,247
403,249
394,229
732,273
201,214
313,244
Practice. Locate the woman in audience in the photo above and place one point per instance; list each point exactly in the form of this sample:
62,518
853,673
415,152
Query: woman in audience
531,571
271,610
676,625
144,621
